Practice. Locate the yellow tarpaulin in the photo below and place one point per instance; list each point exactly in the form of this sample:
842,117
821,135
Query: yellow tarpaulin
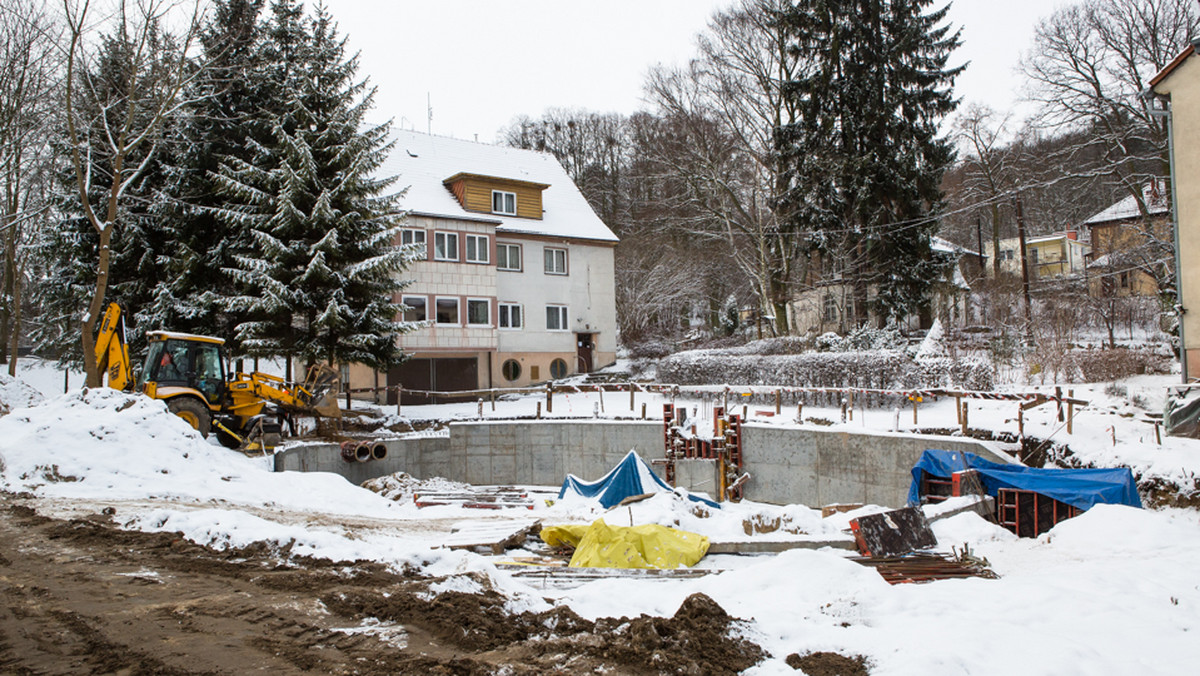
651,546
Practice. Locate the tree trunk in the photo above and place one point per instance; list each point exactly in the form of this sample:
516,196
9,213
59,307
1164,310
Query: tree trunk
90,366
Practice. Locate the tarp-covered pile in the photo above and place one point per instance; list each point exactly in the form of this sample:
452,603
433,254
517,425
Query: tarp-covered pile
600,545
632,476
1079,488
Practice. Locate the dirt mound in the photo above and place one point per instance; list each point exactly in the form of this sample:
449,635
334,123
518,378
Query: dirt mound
118,601
696,640
828,664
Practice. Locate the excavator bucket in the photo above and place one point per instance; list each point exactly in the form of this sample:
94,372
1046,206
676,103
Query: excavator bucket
322,384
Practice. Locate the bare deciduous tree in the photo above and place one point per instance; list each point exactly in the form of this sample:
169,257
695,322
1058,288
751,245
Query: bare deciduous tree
720,114
126,116
28,63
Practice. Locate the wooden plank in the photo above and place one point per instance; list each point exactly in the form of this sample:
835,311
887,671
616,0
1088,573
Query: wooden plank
495,536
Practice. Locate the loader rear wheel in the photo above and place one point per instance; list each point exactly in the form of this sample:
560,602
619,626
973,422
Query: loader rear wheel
193,412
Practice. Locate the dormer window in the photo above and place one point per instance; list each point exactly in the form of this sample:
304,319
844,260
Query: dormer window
504,202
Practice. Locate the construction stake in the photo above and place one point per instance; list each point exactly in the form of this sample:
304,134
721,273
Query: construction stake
539,410
778,402
963,415
851,410
643,410
1070,411
399,396
631,404
958,408
549,398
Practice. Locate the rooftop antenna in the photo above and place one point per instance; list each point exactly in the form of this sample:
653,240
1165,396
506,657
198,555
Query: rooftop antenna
429,107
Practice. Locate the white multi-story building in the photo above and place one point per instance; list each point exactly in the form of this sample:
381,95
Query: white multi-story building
517,279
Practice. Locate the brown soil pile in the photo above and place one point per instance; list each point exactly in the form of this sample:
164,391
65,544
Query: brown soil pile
82,597
697,640
828,664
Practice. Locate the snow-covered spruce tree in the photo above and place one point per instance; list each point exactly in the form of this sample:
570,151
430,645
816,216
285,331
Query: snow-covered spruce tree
229,98
864,162
319,278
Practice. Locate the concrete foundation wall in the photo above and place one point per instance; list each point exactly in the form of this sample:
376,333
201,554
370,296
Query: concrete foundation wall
788,465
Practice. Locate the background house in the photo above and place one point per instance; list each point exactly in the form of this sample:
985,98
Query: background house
517,282
1180,83
827,303
1056,255
1131,250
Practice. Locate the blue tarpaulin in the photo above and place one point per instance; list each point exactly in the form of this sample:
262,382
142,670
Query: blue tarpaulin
632,476
1080,488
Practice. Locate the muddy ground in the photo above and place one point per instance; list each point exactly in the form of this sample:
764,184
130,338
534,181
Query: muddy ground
81,596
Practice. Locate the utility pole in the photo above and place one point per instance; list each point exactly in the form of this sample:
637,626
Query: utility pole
1024,269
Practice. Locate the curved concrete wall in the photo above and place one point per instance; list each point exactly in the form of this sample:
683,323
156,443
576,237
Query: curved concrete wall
788,465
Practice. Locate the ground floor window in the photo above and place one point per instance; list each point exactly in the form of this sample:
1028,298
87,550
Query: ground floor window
558,369
511,370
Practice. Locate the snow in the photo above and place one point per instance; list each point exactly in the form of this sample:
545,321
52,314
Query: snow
1112,591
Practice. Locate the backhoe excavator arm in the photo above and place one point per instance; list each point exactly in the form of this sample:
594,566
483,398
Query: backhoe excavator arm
112,352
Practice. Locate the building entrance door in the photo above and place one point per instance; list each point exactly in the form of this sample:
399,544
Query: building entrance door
584,345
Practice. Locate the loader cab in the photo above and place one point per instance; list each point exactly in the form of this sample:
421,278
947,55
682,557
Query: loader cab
186,361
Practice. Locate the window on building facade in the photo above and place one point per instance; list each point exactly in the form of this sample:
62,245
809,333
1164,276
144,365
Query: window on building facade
508,256
445,246
479,312
477,249
556,261
447,310
830,313
504,202
416,308
558,369
510,316
412,236
556,317
511,370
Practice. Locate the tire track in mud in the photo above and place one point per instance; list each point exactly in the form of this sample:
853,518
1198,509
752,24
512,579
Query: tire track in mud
82,596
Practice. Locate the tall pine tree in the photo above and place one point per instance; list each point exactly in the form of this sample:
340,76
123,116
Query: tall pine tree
221,124
864,162
319,277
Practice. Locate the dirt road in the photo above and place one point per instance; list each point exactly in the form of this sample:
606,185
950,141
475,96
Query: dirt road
81,596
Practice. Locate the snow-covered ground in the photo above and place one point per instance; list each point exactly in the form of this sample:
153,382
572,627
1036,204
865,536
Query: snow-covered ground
1113,591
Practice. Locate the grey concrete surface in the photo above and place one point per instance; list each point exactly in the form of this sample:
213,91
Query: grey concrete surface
788,465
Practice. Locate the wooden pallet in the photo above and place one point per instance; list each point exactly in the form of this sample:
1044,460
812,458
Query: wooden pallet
485,497
497,537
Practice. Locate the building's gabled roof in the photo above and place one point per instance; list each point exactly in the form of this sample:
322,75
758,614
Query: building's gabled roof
1170,67
422,163
1156,203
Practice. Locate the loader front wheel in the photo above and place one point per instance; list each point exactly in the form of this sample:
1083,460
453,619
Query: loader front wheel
193,412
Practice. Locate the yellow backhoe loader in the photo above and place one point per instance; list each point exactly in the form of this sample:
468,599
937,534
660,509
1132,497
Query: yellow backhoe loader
245,410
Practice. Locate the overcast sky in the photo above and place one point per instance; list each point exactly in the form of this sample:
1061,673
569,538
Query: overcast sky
480,63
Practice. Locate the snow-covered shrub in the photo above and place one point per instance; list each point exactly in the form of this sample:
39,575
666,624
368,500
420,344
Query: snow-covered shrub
829,342
1101,365
968,373
934,345
880,369
650,349
869,338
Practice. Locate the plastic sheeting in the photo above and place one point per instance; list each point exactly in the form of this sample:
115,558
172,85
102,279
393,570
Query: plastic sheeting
1182,414
632,476
1080,488
600,545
